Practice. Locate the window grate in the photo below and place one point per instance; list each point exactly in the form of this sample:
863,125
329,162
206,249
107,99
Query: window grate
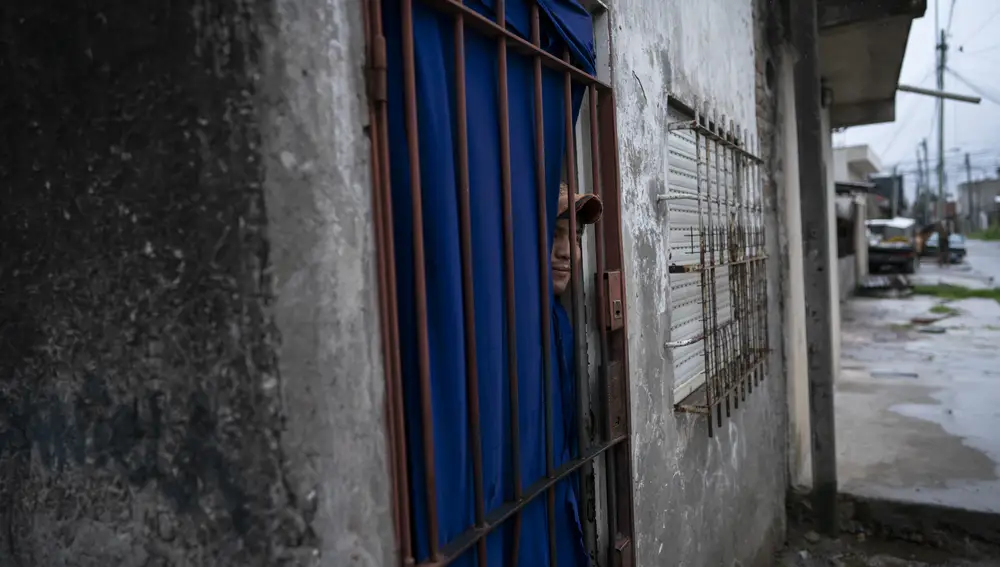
611,442
726,252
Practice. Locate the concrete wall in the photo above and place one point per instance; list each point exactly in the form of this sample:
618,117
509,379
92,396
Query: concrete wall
847,273
189,356
830,194
793,280
860,239
699,501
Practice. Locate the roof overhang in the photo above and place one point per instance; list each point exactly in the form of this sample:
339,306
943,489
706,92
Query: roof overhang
861,54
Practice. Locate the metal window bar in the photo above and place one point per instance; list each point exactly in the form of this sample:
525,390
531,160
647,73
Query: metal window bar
731,266
613,443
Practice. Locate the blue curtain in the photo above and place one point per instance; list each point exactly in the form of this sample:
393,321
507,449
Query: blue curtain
564,25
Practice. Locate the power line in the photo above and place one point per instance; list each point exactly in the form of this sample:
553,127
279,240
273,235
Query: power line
908,115
975,89
982,27
978,155
951,12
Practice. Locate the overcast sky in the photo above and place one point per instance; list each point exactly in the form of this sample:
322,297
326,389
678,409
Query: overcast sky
974,55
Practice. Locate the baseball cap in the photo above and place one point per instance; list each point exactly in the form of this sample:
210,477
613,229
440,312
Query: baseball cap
587,205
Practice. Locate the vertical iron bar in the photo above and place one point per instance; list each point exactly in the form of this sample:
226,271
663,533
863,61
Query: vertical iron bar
420,283
763,279
707,275
758,205
743,280
573,256
714,313
753,290
728,349
398,491
623,543
543,267
748,273
703,242
576,296
508,244
600,242
757,254
468,297
385,232
747,380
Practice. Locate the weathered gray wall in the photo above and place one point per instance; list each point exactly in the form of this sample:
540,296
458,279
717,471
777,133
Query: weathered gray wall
846,276
188,358
699,501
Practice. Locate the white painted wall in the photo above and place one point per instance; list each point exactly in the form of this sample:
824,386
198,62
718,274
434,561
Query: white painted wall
830,193
699,501
796,346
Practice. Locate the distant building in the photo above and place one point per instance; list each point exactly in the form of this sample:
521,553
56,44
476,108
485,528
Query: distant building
977,203
885,186
852,164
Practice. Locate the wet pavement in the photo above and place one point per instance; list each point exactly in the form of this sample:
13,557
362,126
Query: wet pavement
918,403
980,270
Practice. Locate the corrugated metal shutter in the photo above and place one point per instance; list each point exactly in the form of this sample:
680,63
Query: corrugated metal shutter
684,195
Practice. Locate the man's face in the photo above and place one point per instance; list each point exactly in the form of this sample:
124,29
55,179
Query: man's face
561,270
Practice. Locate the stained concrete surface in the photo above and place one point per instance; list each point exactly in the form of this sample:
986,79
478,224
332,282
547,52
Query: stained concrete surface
187,293
809,550
918,414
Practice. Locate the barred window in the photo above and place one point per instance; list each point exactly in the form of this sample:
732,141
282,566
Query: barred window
498,436
718,276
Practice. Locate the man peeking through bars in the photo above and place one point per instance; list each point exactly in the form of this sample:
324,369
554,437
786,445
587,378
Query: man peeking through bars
588,209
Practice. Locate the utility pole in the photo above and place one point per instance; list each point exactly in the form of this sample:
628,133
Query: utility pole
895,191
942,55
919,204
968,187
925,201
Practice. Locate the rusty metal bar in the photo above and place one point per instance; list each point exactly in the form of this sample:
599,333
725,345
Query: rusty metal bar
707,300
623,549
509,290
745,349
386,247
420,283
694,268
574,260
726,222
708,131
603,324
468,296
739,280
576,297
544,254
399,491
455,548
492,29
713,290
758,249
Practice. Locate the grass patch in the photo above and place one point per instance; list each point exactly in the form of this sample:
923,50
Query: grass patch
942,309
991,233
952,292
